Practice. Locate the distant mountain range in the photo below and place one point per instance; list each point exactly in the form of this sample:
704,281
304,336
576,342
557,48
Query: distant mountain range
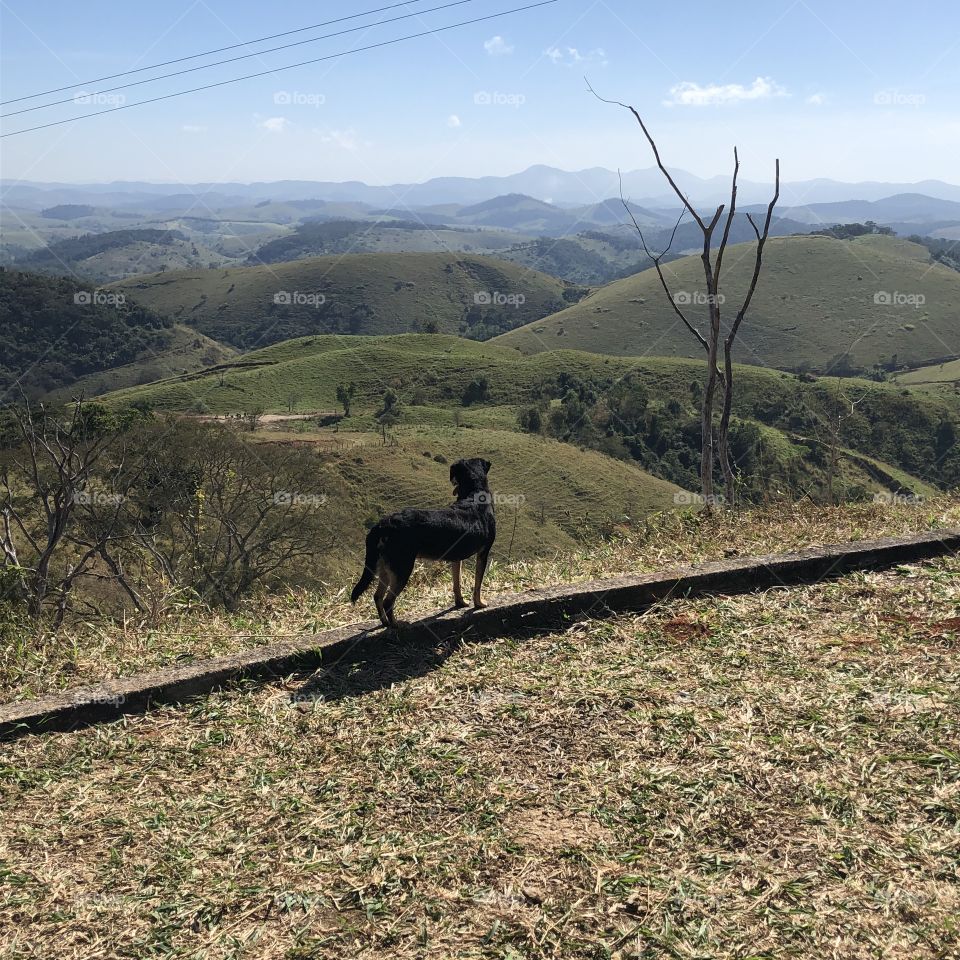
558,187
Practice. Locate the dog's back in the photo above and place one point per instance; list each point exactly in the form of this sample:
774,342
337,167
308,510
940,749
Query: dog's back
451,534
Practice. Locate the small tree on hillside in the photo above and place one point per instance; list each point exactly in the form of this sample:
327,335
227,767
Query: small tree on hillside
345,394
253,417
56,522
714,338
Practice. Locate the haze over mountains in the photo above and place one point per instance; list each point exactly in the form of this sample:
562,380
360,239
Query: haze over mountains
546,258
644,187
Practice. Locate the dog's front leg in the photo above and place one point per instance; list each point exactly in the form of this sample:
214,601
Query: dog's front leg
457,591
478,578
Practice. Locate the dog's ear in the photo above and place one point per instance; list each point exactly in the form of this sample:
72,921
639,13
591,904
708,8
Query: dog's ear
486,465
453,468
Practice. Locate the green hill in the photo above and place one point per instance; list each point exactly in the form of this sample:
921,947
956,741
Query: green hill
550,496
120,253
818,299
186,351
379,293
319,238
785,431
938,377
54,331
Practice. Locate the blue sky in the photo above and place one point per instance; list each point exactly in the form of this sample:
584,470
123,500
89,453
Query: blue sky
845,89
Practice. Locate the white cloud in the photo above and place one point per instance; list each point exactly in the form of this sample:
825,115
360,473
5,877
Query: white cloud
453,121
688,94
497,46
817,99
571,56
193,128
275,124
344,139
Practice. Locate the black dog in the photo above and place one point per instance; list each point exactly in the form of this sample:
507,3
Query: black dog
452,534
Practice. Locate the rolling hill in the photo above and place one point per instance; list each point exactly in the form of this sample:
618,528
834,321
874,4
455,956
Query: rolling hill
441,381
819,299
250,307
184,352
53,331
551,496
942,378
323,237
62,337
119,253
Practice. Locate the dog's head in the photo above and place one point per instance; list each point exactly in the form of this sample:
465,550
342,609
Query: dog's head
469,477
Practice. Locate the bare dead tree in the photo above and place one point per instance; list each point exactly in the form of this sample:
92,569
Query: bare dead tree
45,488
834,423
222,516
762,236
712,338
253,417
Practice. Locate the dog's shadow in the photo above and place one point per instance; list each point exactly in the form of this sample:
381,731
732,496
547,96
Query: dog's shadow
381,658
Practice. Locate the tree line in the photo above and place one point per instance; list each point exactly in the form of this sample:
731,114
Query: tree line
102,510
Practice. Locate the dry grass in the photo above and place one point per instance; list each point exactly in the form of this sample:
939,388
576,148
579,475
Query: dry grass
764,776
91,651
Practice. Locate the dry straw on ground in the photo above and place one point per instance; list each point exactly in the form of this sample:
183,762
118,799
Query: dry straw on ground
91,651
762,776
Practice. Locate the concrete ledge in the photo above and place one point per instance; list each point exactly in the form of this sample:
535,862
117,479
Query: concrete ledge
510,613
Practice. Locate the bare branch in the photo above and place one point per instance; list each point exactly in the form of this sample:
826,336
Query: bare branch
758,261
730,215
656,263
656,154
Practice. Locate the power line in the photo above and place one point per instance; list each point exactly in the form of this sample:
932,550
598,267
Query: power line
207,53
245,56
264,73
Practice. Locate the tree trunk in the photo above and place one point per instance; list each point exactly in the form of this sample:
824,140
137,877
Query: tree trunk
706,422
729,480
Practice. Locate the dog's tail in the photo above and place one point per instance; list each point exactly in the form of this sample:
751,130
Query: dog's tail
369,564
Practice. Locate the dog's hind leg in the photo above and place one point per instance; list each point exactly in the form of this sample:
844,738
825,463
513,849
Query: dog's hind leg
400,571
457,591
478,577
383,585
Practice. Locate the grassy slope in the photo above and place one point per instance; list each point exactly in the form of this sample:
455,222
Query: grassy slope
941,378
365,293
364,237
312,367
307,372
139,257
53,331
187,351
768,775
815,300
554,494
